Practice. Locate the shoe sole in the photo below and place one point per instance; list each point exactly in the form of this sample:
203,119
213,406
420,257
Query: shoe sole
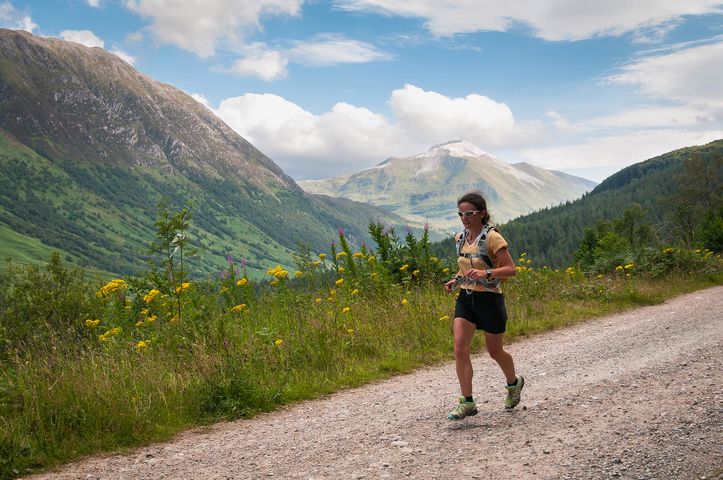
470,414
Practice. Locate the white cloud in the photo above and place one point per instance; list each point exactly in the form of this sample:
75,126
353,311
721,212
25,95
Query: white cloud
200,98
436,118
305,145
94,3
84,37
10,17
349,138
123,55
653,116
606,155
198,25
334,49
550,20
558,120
690,76
262,63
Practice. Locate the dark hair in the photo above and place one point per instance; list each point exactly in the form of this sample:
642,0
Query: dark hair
476,199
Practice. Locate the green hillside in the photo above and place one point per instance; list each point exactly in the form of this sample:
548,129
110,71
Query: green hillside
89,146
551,236
102,217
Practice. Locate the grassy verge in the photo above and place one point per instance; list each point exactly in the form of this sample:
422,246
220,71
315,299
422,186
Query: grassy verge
105,371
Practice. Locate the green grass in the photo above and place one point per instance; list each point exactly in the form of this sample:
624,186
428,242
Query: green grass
70,388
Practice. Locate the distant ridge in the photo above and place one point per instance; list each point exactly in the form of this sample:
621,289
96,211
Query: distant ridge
425,187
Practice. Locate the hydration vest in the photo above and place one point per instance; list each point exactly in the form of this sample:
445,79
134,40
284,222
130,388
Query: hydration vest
482,254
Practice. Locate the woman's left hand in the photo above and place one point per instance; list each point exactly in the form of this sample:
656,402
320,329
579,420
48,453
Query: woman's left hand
475,273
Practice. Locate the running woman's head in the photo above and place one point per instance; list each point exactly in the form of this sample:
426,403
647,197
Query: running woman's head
473,202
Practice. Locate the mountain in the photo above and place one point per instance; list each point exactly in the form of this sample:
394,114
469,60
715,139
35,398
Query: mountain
551,236
88,147
425,187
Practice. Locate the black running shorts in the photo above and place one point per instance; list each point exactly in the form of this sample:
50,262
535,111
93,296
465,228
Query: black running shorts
485,309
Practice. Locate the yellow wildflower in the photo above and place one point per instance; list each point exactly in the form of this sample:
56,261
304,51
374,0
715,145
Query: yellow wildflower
371,259
242,282
355,291
341,270
144,312
278,342
433,259
444,318
374,274
318,300
322,256
151,319
142,345
403,268
150,296
174,319
104,337
92,323
182,288
404,301
350,332
669,250
332,292
339,282
316,263
139,324
415,273
523,254
225,290
111,287
600,276
341,254
619,268
358,255
298,274
277,272
274,282
115,330
238,308
629,266
446,270
345,310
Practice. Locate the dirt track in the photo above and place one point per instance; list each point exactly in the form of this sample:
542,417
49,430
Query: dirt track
636,395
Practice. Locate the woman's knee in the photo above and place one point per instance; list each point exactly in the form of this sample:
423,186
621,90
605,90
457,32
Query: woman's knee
461,349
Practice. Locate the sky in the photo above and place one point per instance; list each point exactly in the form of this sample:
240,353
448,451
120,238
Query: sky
333,87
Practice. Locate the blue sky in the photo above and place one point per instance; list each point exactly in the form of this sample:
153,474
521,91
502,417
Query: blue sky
332,87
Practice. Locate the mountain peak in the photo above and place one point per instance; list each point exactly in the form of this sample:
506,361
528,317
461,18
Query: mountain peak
459,148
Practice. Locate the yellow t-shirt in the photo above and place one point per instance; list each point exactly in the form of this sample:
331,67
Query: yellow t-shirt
495,242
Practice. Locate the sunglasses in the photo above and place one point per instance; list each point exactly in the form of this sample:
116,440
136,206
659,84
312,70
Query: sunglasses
468,213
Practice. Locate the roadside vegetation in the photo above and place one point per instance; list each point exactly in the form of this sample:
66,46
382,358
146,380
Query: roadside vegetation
90,364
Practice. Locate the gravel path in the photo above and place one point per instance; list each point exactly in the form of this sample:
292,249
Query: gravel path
636,395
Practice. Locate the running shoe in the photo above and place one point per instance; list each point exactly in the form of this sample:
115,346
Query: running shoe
462,410
513,393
